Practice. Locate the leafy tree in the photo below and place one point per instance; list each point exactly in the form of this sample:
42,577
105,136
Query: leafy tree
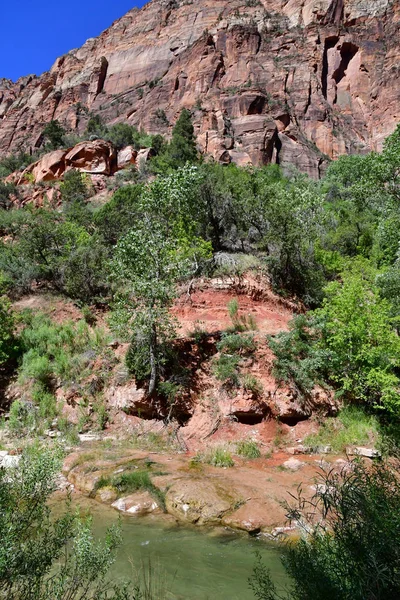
349,549
349,343
41,557
54,133
160,249
116,217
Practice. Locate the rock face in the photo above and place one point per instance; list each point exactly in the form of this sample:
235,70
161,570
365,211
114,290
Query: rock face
96,158
292,82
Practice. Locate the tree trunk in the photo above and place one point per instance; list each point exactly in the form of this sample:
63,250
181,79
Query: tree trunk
153,360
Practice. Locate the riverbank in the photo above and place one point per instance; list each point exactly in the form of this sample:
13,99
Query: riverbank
248,496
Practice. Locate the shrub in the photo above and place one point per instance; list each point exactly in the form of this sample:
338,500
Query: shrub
43,557
225,369
350,549
236,343
9,346
248,449
54,133
240,322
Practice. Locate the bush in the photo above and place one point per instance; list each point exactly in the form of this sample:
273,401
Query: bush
42,557
234,343
353,426
57,350
352,552
54,134
225,370
9,345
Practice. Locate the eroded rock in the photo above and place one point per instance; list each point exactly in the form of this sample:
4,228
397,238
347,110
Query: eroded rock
198,501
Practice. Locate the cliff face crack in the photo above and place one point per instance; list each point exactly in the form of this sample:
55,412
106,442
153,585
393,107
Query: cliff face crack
330,42
102,75
335,12
308,98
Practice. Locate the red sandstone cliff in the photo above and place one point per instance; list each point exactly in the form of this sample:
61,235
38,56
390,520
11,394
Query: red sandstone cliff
288,81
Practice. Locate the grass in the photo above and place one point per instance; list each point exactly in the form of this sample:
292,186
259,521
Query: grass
252,384
133,481
248,449
57,354
353,426
217,456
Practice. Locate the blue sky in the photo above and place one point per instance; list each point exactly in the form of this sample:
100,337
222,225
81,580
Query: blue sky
33,34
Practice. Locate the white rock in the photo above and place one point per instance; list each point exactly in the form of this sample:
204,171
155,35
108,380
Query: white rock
89,437
293,464
119,504
10,462
366,452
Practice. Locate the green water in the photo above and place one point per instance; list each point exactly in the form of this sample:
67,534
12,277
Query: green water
196,564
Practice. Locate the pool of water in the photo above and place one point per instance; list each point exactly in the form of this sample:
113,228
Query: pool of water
195,564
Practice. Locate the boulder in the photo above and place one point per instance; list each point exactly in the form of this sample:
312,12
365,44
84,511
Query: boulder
136,504
50,167
97,157
127,157
293,464
198,501
365,452
131,400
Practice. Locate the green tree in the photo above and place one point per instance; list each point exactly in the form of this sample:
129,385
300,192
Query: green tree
349,549
115,218
54,133
182,147
96,128
43,557
8,340
350,343
160,249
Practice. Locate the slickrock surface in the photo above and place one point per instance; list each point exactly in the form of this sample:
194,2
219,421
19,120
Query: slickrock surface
287,81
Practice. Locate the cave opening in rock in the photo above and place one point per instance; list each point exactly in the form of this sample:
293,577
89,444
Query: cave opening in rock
330,42
347,53
248,418
257,106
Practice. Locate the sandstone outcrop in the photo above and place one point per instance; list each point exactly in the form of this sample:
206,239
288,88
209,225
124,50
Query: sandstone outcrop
293,82
96,158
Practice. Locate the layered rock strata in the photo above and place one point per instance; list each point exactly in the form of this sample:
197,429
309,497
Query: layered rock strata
293,82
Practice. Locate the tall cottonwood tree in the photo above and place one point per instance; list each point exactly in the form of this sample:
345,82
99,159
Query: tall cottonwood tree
161,249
